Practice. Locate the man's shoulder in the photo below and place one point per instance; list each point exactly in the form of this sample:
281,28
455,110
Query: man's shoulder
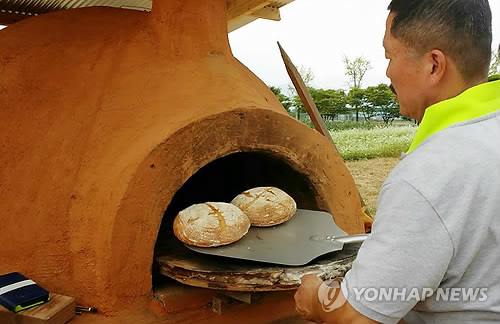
455,154
457,172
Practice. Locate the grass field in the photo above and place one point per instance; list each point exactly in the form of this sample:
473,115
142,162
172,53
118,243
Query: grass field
371,150
370,139
369,175
379,141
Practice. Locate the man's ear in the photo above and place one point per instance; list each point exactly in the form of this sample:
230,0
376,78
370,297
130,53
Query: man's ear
437,64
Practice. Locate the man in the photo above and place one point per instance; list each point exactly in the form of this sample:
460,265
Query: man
435,239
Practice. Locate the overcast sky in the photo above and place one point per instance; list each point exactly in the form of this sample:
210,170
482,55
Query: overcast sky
316,34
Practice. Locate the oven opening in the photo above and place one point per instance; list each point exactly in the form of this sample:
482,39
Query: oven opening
222,180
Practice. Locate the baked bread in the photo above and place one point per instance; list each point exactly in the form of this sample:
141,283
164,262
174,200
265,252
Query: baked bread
211,224
266,206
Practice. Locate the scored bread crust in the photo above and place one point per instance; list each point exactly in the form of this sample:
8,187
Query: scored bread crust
211,224
266,206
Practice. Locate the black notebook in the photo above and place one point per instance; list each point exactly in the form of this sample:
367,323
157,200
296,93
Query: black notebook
18,292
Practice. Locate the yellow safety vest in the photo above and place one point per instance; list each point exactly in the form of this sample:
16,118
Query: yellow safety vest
473,103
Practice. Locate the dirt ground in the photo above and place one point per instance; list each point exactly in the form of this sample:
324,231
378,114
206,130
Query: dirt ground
369,175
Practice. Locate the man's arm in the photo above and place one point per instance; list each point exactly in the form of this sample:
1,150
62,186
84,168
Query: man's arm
407,233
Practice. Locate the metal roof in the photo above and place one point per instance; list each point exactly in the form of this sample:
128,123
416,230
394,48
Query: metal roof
37,7
240,12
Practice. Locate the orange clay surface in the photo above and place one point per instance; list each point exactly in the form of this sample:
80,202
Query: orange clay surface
90,99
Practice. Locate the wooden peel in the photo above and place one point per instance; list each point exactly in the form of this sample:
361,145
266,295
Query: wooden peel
318,122
305,97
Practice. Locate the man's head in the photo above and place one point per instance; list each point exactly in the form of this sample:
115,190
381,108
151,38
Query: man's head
437,49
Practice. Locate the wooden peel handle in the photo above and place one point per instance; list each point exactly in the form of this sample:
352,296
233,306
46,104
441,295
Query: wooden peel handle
312,110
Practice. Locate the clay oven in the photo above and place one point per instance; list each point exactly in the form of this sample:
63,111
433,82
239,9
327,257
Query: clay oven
112,121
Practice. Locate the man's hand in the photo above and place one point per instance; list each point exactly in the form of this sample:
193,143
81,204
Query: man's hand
306,299
308,305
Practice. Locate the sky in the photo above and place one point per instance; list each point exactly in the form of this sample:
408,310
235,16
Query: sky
317,34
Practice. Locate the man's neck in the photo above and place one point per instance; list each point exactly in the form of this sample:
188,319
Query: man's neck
452,88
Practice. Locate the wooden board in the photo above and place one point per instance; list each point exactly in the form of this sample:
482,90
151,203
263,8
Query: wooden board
313,112
59,310
305,97
207,271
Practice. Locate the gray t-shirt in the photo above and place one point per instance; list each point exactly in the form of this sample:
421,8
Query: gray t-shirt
434,252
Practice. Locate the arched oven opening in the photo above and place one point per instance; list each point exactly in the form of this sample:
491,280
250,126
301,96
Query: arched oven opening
221,180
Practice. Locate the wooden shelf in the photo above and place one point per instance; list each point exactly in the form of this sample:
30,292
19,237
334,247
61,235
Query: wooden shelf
59,310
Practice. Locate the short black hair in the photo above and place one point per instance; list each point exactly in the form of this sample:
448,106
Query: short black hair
460,28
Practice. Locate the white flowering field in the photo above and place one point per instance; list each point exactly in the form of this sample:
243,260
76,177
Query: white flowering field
380,141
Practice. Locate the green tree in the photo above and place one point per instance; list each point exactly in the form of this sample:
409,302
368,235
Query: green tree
330,103
307,76
355,70
373,101
383,102
495,62
337,102
356,98
285,101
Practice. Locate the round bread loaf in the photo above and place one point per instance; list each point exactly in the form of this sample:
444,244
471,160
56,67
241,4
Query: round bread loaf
266,206
211,224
